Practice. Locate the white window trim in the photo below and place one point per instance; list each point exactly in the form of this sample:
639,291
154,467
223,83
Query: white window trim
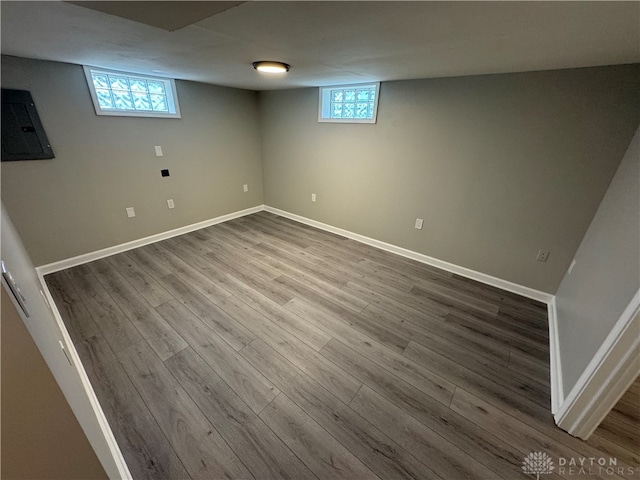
324,105
170,84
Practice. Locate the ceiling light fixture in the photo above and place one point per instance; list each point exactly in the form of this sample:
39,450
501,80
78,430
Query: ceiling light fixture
271,67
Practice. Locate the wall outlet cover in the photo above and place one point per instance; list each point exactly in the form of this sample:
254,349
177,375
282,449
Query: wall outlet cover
158,150
419,223
130,212
313,197
245,187
543,255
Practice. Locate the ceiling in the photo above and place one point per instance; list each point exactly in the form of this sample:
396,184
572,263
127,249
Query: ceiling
169,15
325,42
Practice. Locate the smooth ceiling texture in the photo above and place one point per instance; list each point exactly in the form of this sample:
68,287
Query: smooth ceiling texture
333,42
168,15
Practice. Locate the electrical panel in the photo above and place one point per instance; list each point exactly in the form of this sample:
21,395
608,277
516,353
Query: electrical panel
23,136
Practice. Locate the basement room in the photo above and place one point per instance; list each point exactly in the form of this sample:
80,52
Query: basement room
316,240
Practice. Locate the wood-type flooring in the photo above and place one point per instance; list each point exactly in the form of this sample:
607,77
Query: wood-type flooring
264,348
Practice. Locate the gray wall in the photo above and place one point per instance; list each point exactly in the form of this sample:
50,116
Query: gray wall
76,202
607,272
498,166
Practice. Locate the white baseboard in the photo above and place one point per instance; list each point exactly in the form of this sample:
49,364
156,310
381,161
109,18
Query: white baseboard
114,449
611,371
608,376
123,247
555,364
449,267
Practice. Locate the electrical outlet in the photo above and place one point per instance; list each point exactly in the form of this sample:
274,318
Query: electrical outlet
419,223
130,212
313,197
170,203
543,255
245,187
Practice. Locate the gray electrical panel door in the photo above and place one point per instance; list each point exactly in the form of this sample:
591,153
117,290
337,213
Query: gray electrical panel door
23,136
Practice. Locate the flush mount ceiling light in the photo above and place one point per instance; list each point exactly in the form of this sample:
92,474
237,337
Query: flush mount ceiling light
271,67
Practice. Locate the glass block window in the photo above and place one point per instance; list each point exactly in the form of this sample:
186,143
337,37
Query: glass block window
127,94
349,103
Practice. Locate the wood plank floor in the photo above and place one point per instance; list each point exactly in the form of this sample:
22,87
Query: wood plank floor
263,348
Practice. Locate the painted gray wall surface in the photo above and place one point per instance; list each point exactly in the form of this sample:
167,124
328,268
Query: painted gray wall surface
607,272
498,166
76,202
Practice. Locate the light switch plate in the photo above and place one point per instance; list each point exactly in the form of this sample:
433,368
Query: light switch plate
419,223
130,212
158,149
